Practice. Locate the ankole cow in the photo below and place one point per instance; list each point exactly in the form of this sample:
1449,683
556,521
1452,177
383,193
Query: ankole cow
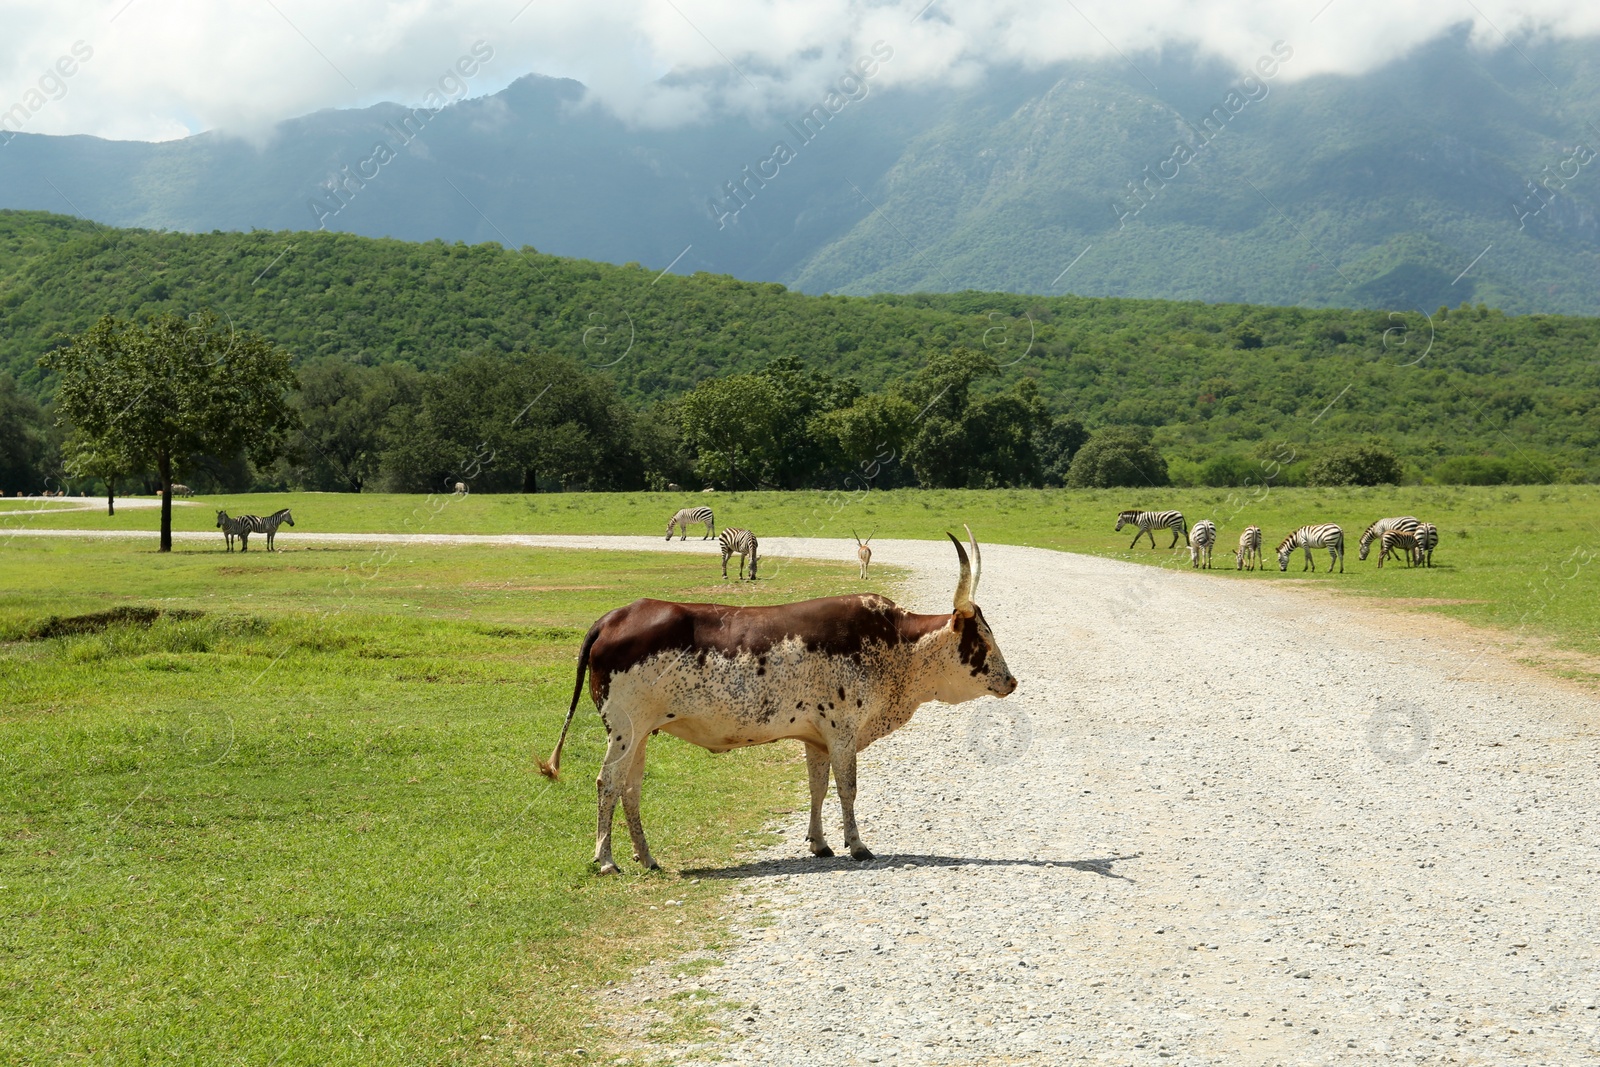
835,673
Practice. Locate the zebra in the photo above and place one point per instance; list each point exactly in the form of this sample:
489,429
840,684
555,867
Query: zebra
863,553
1327,535
1148,521
269,525
181,490
1394,542
1202,539
692,516
1249,550
232,528
732,539
1427,537
1381,527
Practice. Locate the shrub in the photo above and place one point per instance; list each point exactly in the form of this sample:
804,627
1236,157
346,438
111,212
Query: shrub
1355,465
1117,456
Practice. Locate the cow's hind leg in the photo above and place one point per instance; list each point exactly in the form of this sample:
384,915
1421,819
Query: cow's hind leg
610,785
844,779
817,772
631,788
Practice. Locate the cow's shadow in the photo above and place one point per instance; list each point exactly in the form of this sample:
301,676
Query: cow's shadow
1101,865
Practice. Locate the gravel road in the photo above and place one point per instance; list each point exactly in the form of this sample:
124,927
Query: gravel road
1219,823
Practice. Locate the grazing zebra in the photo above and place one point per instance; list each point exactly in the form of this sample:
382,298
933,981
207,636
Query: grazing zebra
1249,550
1427,537
1394,542
460,490
863,553
1149,521
1201,540
1327,535
732,540
181,490
692,516
232,528
1381,527
269,525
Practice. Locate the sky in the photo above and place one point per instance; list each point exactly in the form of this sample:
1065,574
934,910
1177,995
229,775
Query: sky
161,69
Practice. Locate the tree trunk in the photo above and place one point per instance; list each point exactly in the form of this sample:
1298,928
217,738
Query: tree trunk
530,481
164,469
111,495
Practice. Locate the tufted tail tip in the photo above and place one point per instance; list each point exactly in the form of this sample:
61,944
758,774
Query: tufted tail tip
550,768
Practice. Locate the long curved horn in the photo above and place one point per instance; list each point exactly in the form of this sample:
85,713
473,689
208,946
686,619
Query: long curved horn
963,598
977,563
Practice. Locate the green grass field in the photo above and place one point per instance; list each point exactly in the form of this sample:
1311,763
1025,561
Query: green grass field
295,818
1514,557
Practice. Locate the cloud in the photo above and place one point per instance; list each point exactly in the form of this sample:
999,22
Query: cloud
164,68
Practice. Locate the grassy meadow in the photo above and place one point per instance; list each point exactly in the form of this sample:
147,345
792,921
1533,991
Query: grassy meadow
1514,557
294,818
282,808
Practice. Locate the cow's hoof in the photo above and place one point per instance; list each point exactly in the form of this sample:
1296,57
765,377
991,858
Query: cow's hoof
609,868
861,852
821,851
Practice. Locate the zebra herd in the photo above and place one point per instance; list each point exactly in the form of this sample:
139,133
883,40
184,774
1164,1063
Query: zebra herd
1399,536
245,525
733,540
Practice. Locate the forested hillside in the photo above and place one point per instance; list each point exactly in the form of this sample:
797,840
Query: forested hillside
1201,378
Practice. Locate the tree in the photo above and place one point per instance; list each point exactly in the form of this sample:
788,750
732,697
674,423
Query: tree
801,455
732,423
506,423
171,388
1057,443
871,436
22,440
1355,464
1117,456
344,412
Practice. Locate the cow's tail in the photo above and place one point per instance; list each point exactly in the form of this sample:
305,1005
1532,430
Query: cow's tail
551,768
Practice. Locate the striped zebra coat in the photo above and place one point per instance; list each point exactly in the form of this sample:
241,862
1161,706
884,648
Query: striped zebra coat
734,540
1327,535
1394,542
687,517
1427,538
269,525
232,528
1150,521
1381,527
1248,555
1202,539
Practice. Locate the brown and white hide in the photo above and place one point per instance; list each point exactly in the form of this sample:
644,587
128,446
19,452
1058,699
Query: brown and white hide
835,674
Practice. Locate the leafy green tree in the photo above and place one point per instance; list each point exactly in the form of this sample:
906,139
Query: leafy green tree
103,460
171,388
800,454
344,412
658,442
1230,470
942,388
506,423
1057,443
732,423
1117,456
22,440
1000,438
1355,464
871,436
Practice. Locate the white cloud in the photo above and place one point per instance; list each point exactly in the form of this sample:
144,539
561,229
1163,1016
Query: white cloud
163,68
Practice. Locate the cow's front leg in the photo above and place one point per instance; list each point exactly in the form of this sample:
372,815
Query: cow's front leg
817,772
610,785
844,779
632,785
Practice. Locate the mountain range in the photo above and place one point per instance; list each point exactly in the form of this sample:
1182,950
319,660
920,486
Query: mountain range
1455,175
